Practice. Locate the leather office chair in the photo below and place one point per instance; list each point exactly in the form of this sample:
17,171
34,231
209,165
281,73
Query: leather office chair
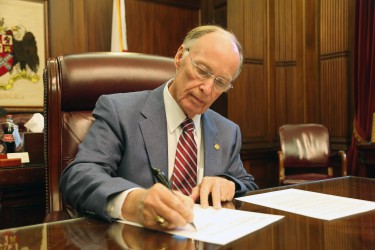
73,83
305,154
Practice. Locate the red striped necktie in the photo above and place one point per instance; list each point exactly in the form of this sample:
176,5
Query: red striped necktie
184,176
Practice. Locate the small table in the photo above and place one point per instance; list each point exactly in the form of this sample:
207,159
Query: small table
366,158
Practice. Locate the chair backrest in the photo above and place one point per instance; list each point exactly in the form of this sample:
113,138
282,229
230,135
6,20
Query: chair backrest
305,145
73,83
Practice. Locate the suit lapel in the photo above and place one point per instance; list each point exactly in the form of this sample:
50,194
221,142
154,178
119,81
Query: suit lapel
153,128
212,147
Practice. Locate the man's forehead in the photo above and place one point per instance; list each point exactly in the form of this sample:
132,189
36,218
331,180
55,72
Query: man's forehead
216,41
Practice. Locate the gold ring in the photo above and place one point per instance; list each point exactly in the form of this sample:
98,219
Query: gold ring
161,221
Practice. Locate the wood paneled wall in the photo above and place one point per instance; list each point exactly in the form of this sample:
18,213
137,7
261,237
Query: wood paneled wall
154,27
336,25
296,70
159,29
77,26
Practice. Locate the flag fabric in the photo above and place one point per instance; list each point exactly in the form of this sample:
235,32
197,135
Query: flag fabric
118,39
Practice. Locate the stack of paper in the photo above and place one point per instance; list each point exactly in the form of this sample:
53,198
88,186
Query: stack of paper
221,226
311,204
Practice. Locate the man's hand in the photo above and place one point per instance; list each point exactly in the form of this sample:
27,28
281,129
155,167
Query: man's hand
219,188
146,205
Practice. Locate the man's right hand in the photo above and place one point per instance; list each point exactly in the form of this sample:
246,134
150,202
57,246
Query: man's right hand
145,206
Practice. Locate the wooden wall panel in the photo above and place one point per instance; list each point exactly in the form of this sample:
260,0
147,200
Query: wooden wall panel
334,67
159,29
153,26
255,35
78,17
60,28
297,70
286,77
79,26
220,14
216,13
251,102
98,15
333,88
303,46
250,95
310,50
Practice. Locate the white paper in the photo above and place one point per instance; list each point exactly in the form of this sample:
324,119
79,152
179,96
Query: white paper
311,204
36,123
221,226
23,155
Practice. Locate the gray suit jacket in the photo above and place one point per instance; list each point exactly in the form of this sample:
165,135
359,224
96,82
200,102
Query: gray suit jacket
129,136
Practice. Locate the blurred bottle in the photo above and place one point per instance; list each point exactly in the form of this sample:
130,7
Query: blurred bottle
8,139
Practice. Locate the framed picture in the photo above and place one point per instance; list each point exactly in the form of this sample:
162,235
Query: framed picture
23,54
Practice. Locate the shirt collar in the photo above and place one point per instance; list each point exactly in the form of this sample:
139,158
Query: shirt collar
174,114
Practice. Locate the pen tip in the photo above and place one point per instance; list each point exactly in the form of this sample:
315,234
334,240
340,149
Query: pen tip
193,225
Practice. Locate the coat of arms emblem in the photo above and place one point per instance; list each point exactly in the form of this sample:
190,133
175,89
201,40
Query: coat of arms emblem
18,55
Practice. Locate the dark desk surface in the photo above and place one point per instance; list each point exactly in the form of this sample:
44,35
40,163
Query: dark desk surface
292,232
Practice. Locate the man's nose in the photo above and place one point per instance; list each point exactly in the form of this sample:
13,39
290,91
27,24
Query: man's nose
209,84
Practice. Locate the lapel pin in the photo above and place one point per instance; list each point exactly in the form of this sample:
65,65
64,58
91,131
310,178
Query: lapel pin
217,146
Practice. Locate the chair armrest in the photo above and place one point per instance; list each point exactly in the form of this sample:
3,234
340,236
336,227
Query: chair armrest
340,156
281,167
344,163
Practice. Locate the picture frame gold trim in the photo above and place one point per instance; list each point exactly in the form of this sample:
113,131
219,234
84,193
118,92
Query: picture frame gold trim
23,96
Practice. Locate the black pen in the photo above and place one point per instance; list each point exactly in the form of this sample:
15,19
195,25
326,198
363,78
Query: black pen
160,176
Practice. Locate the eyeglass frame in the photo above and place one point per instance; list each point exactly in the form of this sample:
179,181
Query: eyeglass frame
207,75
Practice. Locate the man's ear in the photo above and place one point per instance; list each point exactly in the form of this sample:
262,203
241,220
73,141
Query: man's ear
178,56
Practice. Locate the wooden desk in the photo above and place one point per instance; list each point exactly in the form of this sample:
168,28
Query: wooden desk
22,195
292,232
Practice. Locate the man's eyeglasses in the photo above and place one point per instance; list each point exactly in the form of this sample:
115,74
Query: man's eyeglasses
221,84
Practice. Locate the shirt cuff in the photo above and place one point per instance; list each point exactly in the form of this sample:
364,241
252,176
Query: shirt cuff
115,204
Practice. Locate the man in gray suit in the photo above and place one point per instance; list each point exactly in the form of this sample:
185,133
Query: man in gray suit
111,176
